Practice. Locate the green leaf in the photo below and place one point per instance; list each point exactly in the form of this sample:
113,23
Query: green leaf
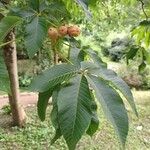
112,105
53,76
7,24
74,110
54,116
95,57
54,113
132,53
76,56
23,13
93,125
117,82
57,11
94,120
147,38
4,78
56,137
34,4
142,66
146,55
144,23
36,32
43,99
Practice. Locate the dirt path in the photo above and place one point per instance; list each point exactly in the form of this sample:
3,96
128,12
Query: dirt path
26,99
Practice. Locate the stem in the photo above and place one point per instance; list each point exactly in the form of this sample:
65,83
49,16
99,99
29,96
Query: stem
9,42
142,3
61,55
55,55
51,23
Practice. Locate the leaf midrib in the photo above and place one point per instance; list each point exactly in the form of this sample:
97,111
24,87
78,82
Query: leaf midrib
73,127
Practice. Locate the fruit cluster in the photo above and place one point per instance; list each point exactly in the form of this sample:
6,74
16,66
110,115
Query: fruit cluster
55,33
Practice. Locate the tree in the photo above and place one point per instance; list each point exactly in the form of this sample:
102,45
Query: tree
79,85
10,59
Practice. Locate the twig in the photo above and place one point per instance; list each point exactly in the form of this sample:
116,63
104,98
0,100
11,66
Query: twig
142,3
61,55
4,44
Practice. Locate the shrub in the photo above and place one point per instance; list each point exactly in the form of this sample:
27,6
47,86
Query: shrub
134,78
117,50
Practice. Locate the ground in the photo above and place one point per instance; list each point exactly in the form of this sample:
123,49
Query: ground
27,99
37,135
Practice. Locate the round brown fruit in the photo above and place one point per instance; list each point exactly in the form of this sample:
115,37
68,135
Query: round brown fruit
53,33
63,30
73,31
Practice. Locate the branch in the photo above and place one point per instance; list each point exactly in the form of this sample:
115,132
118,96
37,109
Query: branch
142,4
4,44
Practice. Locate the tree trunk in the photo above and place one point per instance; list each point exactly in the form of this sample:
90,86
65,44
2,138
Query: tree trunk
10,57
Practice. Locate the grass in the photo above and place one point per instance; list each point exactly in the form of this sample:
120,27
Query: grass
37,135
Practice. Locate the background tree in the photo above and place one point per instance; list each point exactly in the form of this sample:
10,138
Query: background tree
10,59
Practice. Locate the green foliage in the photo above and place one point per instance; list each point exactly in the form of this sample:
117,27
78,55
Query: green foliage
53,76
36,32
72,107
7,24
132,76
24,80
74,113
115,81
142,33
72,85
112,105
132,53
4,79
35,5
6,109
42,105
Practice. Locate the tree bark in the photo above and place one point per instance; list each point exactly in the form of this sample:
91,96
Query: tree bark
10,57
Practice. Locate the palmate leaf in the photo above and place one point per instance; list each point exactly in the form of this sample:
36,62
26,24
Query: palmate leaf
112,105
74,114
53,76
36,32
4,78
7,24
117,82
